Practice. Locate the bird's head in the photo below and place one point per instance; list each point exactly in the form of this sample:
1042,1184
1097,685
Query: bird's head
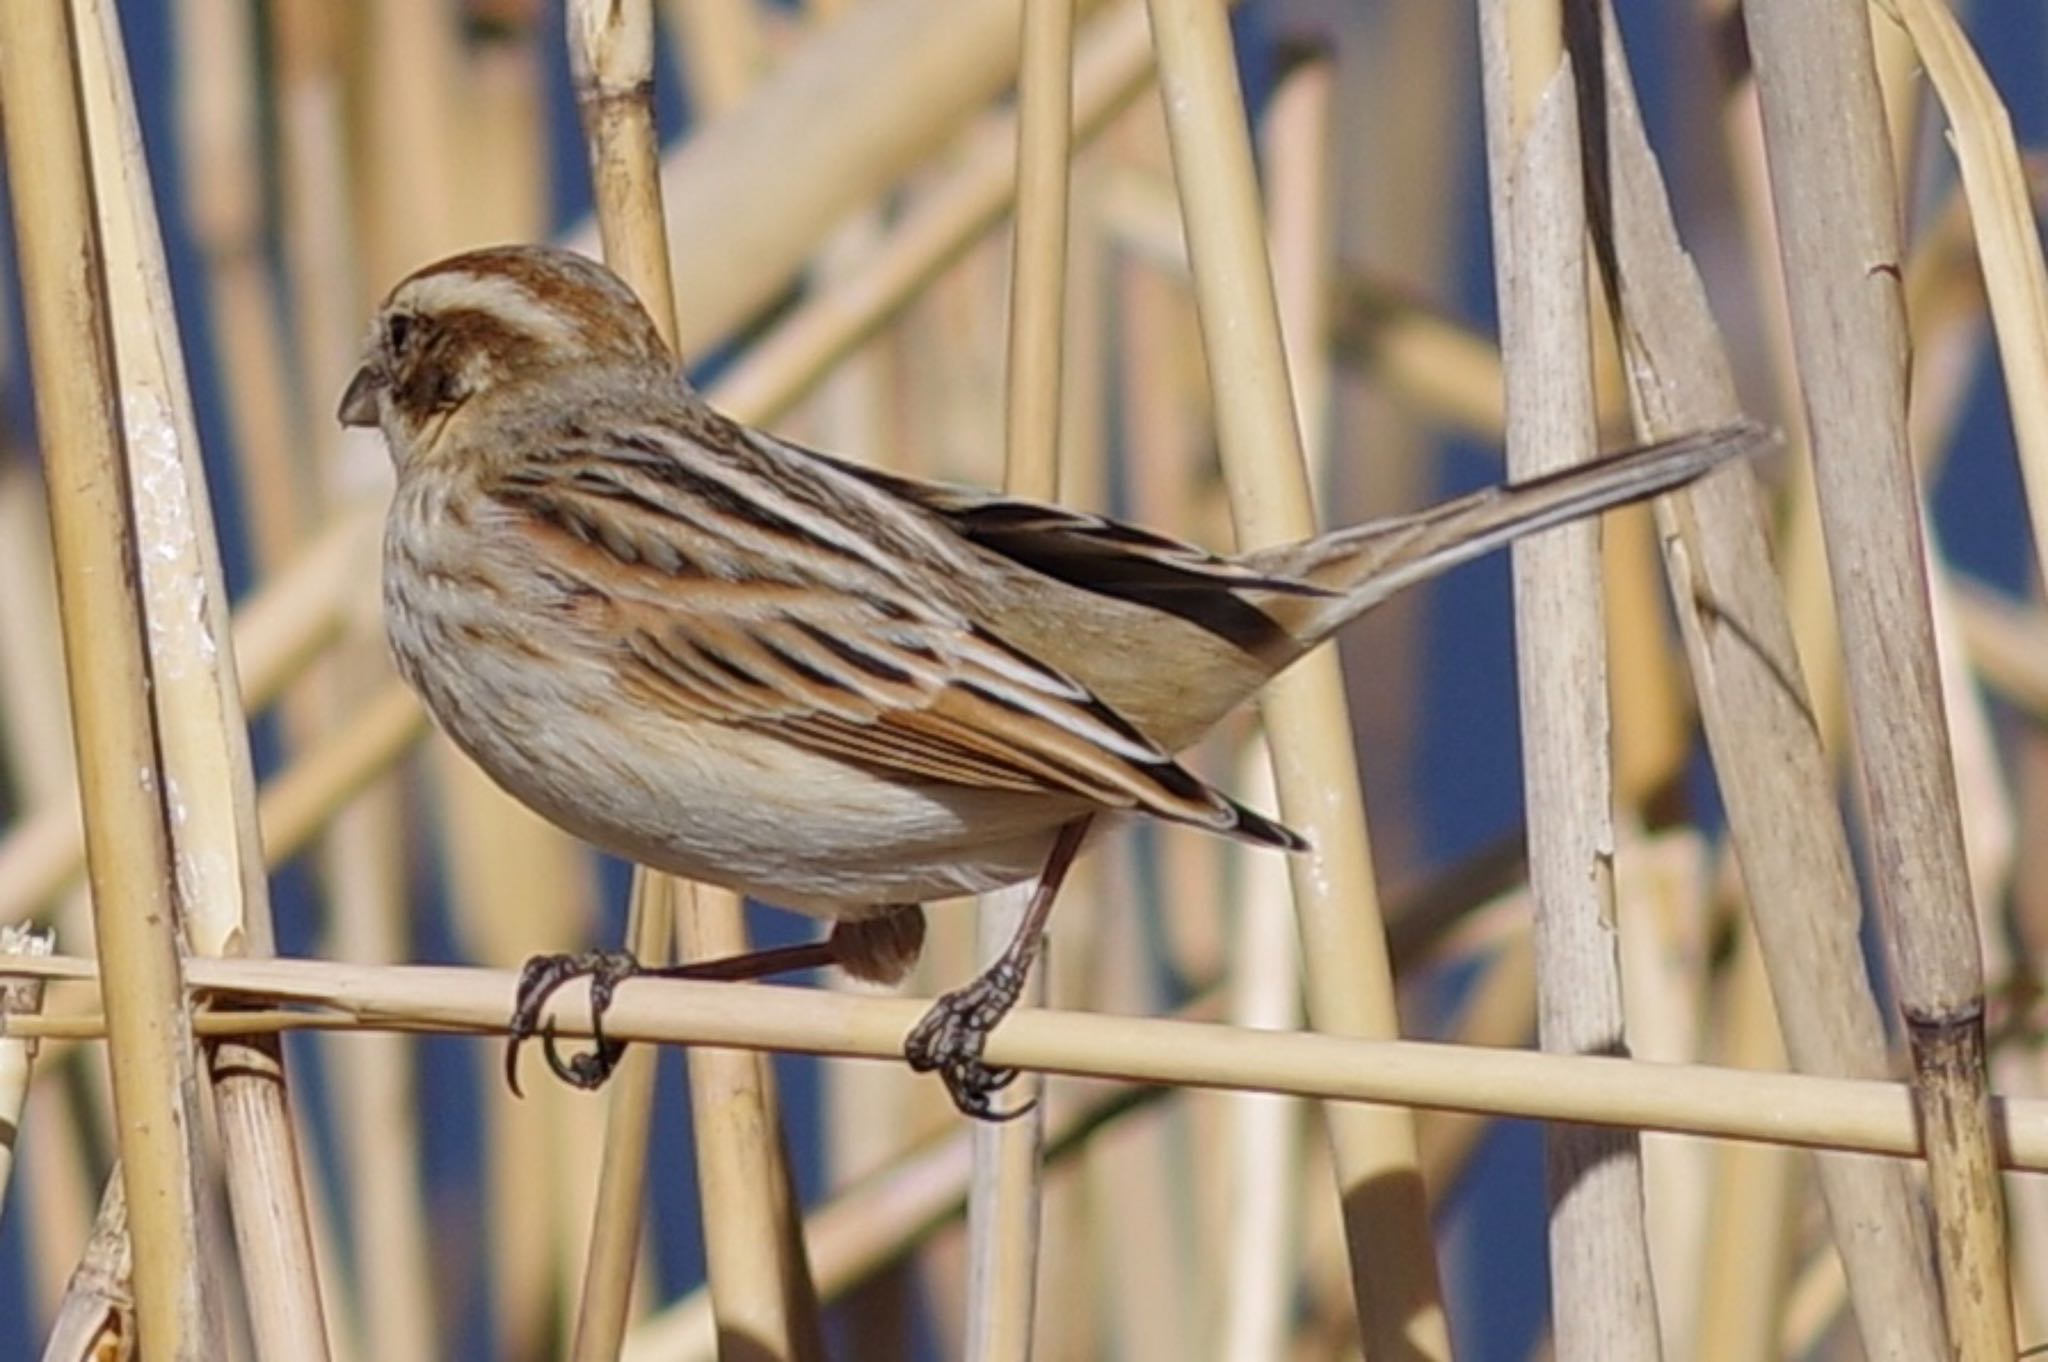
488,320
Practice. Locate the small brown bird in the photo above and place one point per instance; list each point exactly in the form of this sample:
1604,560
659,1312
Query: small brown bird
727,657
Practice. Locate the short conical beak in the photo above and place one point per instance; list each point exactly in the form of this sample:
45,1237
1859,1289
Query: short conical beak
359,403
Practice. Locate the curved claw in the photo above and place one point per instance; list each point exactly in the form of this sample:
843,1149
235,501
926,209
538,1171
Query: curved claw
971,1086
585,1069
949,1040
541,978
512,1064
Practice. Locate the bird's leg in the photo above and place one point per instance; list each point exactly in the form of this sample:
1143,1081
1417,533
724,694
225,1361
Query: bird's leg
865,948
952,1035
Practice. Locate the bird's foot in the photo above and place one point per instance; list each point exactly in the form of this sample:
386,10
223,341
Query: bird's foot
950,1039
540,980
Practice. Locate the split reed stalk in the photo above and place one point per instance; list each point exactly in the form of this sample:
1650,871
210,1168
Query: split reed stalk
120,781
1603,1303
1350,984
1832,185
1773,775
96,1317
202,735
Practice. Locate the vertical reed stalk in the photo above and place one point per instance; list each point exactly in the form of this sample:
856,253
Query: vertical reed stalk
759,1273
854,105
1749,1261
1004,1210
1402,105
201,730
1264,1135
743,1171
722,52
1832,184
120,783
1603,1304
43,787
611,50
401,194
1350,984
218,136
1773,775
18,998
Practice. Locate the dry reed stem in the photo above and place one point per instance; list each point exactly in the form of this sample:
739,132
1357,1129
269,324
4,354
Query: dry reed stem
882,1216
317,244
868,1117
1112,66
1262,1138
611,55
1401,196
1004,1208
279,631
1860,1115
35,719
18,997
756,1269
408,152
1748,1251
1773,775
853,106
120,783
95,1321
1350,985
1131,1181
1500,1012
507,186
395,202
1832,184
201,731
605,1296
722,51
1603,1303
2008,236
759,1279
2008,646
218,138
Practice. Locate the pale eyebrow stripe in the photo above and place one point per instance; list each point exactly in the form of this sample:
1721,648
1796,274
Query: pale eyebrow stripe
503,298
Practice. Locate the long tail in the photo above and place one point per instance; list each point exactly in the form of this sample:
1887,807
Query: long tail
1362,565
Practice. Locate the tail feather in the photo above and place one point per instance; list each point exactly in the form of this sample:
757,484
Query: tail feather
1364,564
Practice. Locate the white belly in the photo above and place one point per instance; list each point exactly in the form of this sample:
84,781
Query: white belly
733,806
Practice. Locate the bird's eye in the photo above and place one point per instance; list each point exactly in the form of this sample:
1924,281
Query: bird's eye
398,329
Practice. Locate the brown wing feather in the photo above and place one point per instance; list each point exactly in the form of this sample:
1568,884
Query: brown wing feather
838,661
